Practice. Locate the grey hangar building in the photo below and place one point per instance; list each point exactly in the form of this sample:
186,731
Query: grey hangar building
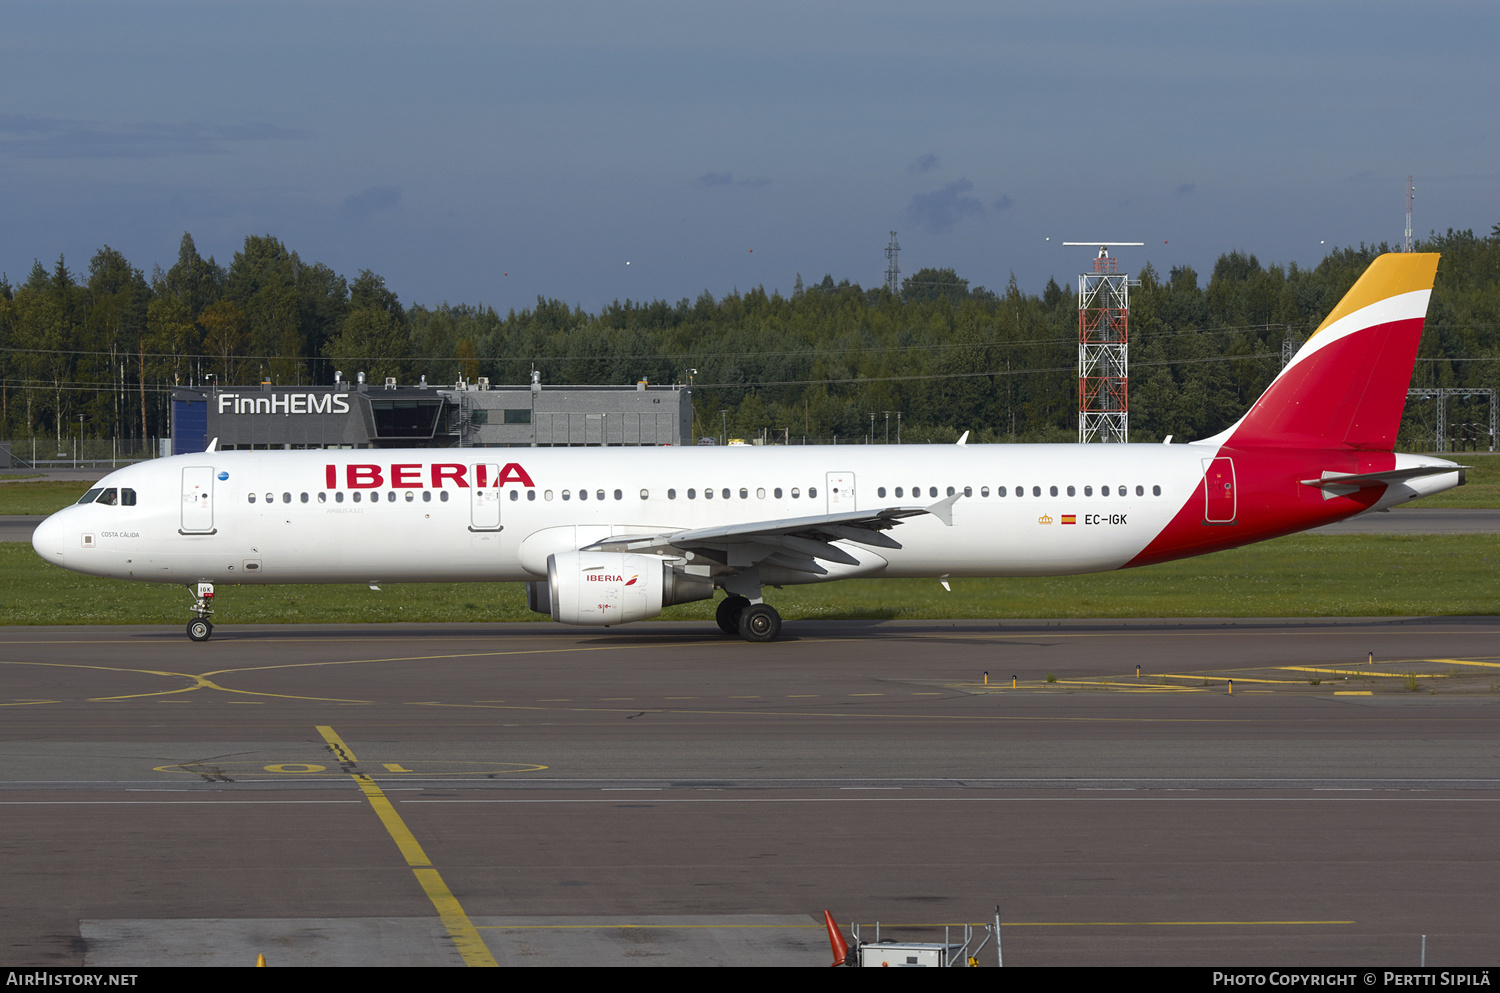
465,415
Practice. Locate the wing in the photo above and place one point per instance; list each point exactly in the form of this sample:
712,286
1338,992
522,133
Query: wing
795,543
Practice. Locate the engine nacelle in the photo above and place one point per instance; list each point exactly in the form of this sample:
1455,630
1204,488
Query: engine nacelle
599,588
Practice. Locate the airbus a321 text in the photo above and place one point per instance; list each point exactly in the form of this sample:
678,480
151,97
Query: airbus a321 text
603,536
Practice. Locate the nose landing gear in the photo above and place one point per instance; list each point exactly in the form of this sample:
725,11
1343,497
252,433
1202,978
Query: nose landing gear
199,629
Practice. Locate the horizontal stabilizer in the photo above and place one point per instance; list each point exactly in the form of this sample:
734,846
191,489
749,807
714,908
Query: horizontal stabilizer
1340,483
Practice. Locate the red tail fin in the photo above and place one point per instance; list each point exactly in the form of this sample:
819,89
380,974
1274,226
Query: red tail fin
1347,387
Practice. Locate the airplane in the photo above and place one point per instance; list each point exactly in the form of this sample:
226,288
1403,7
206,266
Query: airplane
605,536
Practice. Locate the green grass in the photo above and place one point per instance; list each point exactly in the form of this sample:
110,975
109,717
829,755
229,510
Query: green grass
40,498
1298,576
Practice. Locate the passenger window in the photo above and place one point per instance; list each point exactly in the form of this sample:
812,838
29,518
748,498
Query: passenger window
90,496
760,493
1053,491
599,494
999,491
1088,491
812,492
795,492
304,497
692,494
1070,491
726,493
127,497
619,495
898,491
356,496
708,494
1104,491
547,495
251,497
984,491
880,492
1140,490
932,491
322,497
1036,491
671,494
744,494
776,492
968,491
286,498
338,497
530,494
950,491
426,496
566,494
1020,491
1124,491
582,494
514,495
1156,491
390,496
444,496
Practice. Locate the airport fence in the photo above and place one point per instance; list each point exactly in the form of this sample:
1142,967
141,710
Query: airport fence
43,452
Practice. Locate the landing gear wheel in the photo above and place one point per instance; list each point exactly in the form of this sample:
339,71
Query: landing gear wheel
728,614
760,622
199,629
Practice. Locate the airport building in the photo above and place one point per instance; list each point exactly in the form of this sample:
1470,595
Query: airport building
465,415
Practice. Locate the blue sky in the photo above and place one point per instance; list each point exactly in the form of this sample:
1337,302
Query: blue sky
493,152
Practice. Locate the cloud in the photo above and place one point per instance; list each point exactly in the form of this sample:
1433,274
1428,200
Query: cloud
926,163
727,179
30,136
1004,203
1186,188
941,209
358,206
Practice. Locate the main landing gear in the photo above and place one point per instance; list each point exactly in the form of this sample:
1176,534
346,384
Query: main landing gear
198,628
752,621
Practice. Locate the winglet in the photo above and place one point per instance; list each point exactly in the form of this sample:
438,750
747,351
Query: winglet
943,509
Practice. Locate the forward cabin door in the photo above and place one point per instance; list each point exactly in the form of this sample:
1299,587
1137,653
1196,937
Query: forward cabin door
840,491
1219,500
484,497
198,499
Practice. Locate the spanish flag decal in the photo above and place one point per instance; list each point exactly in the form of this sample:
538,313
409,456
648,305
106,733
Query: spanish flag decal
1070,518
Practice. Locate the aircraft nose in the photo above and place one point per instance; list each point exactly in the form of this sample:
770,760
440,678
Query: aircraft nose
48,539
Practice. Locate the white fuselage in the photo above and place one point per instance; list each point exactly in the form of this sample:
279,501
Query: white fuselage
434,515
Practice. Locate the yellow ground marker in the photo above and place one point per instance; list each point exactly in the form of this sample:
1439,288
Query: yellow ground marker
1363,672
465,937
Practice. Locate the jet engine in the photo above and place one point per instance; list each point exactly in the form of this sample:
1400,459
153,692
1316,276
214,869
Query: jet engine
598,588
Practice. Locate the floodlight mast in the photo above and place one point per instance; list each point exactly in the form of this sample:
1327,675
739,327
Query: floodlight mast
1104,347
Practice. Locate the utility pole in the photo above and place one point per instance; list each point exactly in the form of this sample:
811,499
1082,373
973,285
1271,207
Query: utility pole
892,270
1411,194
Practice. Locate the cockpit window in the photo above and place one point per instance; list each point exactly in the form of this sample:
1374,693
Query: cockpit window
127,497
90,495
109,497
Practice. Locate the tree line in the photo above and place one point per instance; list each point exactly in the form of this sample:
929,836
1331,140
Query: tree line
98,352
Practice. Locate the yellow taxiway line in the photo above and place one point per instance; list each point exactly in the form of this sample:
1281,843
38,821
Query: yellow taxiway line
465,937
